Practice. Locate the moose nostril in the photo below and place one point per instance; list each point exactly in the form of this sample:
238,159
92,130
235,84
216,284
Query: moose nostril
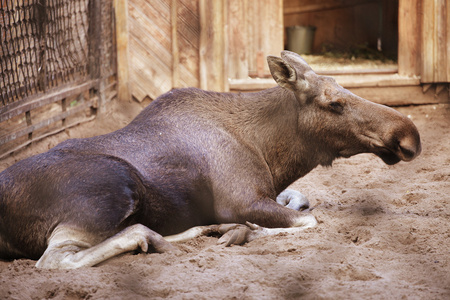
407,153
409,149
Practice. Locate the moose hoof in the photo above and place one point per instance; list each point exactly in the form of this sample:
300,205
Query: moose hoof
293,199
144,237
235,234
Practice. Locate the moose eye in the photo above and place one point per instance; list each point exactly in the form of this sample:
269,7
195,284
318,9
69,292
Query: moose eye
336,106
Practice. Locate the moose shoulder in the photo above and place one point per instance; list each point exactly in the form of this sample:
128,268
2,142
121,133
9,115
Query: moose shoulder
192,159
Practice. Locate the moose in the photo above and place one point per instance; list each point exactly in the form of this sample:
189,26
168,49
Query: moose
193,162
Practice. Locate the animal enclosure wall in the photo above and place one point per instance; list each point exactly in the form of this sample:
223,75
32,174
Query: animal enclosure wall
57,63
199,43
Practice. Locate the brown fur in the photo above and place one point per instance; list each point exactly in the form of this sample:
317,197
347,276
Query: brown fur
194,157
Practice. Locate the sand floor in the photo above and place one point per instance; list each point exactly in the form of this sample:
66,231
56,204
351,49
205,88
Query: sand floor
383,233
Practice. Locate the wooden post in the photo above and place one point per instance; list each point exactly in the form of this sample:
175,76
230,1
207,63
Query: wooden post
95,39
409,38
237,36
175,52
442,43
213,45
435,41
264,34
428,31
121,14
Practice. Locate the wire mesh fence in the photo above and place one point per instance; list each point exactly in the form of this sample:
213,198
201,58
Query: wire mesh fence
57,67
44,43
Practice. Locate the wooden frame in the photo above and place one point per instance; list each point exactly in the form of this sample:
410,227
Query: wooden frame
213,45
121,15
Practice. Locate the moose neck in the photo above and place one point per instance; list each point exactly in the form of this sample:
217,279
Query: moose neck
272,126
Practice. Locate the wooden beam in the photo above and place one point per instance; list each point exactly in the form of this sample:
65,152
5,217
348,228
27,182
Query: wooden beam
175,52
33,127
213,45
448,41
324,6
409,28
20,107
121,16
237,37
441,43
40,137
384,94
400,95
95,39
435,41
428,36
347,81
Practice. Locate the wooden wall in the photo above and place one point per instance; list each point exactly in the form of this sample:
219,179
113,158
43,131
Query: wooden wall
424,40
199,43
204,43
157,30
255,30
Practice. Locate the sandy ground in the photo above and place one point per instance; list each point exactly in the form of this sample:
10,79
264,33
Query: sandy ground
383,233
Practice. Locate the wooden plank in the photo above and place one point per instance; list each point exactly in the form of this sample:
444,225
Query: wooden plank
266,32
347,81
400,95
175,52
441,43
435,41
11,111
357,71
315,7
121,15
237,38
273,30
387,95
387,80
94,38
150,43
189,79
40,137
151,75
164,46
428,38
253,84
409,27
212,49
33,127
188,39
252,36
447,26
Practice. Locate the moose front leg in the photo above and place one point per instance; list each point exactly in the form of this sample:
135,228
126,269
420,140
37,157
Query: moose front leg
237,234
265,212
70,248
264,217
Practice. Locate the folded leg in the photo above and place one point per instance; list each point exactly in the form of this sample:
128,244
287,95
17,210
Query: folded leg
238,234
70,248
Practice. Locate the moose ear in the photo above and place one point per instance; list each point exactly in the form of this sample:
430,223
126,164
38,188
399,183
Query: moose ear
285,74
295,60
